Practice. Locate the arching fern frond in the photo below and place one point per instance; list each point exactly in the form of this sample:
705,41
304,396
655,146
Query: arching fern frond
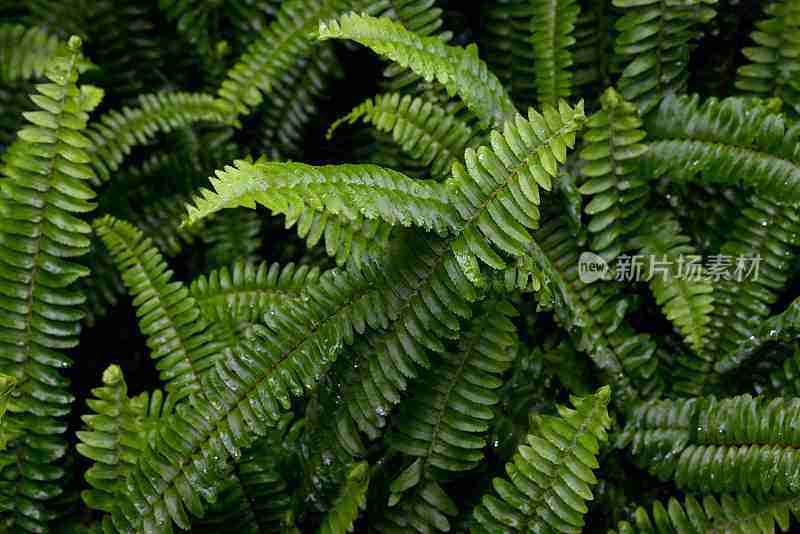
425,130
114,436
774,66
552,26
176,333
458,69
653,43
730,141
114,133
729,513
611,184
343,190
44,192
551,475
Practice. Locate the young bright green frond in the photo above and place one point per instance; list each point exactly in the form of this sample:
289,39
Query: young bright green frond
176,333
774,63
730,141
678,286
344,190
425,130
550,477
458,69
615,191
115,133
496,191
653,43
552,27
352,499
114,436
742,514
43,194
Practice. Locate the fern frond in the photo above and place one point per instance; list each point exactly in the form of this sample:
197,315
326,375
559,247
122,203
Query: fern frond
550,476
176,333
246,290
294,101
653,43
496,192
114,436
423,17
458,69
25,52
445,425
729,513
505,43
774,66
593,314
231,235
717,445
44,192
425,130
684,296
243,396
552,27
432,298
768,232
349,191
593,44
615,191
114,133
256,497
352,499
730,141
278,50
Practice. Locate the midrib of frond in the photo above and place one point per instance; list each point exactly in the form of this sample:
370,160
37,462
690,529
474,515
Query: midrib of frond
554,41
212,299
222,414
549,493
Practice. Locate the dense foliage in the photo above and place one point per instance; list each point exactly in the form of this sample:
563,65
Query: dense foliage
491,266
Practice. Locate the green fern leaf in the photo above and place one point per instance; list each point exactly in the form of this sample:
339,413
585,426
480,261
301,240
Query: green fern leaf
552,25
26,52
729,513
424,130
732,141
550,476
43,192
653,43
773,63
115,435
352,499
342,190
176,333
458,69
615,192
